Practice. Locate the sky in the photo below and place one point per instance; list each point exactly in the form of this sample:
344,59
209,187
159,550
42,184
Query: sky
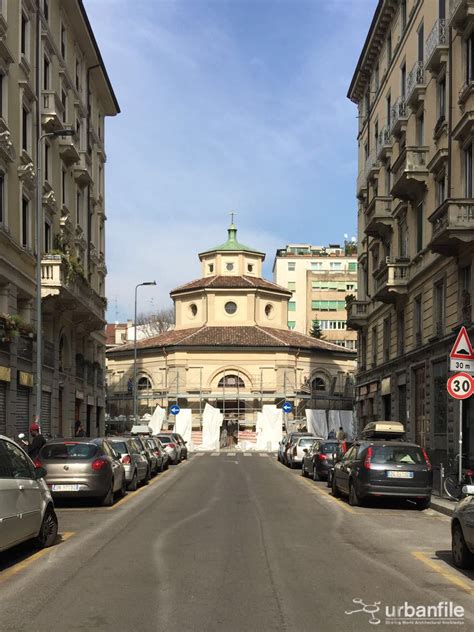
225,105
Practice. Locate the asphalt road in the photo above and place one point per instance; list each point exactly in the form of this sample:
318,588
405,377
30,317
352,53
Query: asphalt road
233,543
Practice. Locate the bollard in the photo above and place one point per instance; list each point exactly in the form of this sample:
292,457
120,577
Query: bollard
441,478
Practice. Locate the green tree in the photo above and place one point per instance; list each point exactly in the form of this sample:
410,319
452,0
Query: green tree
315,331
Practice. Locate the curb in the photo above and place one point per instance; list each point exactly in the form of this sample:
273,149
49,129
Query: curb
447,511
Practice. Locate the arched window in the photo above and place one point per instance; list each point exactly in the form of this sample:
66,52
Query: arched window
231,381
318,384
144,384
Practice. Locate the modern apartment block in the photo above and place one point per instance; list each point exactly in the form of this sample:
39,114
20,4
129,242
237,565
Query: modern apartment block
49,82
320,278
414,87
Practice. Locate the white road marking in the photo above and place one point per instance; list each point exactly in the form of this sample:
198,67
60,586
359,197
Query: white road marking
230,453
262,454
215,454
247,454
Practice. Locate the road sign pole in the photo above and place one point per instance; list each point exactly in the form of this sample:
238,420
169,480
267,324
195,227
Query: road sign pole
460,440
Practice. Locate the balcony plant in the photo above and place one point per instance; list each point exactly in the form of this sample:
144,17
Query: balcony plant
12,326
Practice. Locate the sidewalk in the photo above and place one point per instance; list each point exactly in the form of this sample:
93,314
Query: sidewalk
442,505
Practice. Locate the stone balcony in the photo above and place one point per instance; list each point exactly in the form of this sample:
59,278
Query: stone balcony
436,47
357,313
384,144
372,167
361,186
52,111
410,173
398,116
379,221
63,287
67,150
82,169
391,280
416,85
461,14
452,227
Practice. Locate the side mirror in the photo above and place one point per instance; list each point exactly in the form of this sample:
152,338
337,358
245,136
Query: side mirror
305,450
40,472
468,490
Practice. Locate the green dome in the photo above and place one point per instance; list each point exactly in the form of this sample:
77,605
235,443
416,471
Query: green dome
232,245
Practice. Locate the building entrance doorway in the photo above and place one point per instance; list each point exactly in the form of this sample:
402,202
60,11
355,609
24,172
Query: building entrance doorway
420,419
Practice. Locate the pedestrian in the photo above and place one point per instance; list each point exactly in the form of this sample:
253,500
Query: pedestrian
332,434
80,432
230,433
37,442
341,435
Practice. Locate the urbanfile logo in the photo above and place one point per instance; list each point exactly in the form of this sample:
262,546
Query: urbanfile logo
442,613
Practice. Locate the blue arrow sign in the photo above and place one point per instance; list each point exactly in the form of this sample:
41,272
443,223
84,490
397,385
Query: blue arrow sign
287,407
175,409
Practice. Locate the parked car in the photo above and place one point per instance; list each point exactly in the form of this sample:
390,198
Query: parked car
290,439
319,457
26,506
384,467
133,460
83,467
183,444
155,446
148,453
282,448
172,448
462,530
343,448
294,454
164,453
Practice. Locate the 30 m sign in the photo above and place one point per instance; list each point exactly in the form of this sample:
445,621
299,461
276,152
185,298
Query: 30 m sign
461,385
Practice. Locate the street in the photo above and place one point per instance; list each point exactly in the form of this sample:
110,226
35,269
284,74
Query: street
235,542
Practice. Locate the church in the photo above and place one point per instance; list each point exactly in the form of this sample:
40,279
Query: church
231,348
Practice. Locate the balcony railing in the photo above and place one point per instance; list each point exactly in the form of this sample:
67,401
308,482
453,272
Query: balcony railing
52,113
460,12
371,166
379,221
452,227
384,143
357,313
398,115
436,46
82,169
391,280
410,173
416,85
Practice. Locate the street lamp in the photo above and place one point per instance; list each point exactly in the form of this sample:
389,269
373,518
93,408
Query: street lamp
39,245
135,386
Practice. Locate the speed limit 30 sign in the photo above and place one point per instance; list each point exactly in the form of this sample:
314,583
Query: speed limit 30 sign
461,385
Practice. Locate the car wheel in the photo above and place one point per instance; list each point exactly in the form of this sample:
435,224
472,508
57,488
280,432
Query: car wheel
132,486
462,557
147,478
304,473
108,499
123,488
423,503
334,488
49,529
315,474
354,500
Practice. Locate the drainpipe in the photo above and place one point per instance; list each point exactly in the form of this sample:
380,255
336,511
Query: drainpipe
450,108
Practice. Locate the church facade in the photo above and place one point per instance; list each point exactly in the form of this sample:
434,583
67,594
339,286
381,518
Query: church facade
231,347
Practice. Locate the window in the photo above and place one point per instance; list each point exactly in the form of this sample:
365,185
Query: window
388,179
318,384
418,321
25,124
24,35
230,307
440,397
47,157
316,265
352,266
401,332
374,346
3,84
63,41
389,109
63,186
386,339
421,42
249,265
467,160
332,324
78,131
403,79
419,227
46,10
64,104
376,78
439,308
3,218
465,294
46,73
229,267
389,47
335,265
469,58
403,12
268,310
441,90
328,306
78,74
211,267
420,124
47,237
143,384
291,324
78,207
440,190
193,309
231,381
20,466
292,285
291,266
402,238
292,306
25,222
441,9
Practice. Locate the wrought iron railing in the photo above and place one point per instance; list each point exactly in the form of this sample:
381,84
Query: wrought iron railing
416,77
437,37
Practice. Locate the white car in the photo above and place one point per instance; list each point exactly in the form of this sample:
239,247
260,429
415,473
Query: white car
295,452
462,530
26,507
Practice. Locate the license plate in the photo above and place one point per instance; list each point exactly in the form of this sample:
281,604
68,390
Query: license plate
400,474
65,488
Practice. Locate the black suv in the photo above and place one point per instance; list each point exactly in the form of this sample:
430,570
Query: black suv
381,467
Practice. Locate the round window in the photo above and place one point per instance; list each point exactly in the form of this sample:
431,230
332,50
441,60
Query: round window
250,267
268,310
193,309
229,266
230,307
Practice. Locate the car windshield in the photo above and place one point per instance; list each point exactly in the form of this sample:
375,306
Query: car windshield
166,440
306,442
329,448
120,447
69,451
404,455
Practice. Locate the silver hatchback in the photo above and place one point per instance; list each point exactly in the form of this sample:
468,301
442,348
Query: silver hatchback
133,460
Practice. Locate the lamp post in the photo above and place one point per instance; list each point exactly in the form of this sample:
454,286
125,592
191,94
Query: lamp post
135,386
39,246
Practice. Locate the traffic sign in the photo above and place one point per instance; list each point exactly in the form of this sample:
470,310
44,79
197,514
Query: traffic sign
461,385
461,365
174,410
287,407
462,349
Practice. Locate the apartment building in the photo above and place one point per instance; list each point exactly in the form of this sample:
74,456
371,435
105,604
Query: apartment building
52,77
320,278
414,88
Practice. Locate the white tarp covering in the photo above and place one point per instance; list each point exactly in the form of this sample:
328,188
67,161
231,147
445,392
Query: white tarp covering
156,422
184,424
211,427
338,418
269,428
316,422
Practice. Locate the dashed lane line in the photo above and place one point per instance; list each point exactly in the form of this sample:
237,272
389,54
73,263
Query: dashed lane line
21,566
230,453
437,567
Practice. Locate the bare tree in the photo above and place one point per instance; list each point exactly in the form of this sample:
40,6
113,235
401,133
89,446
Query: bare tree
156,322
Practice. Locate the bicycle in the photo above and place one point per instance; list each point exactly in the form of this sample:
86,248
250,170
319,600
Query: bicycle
451,484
